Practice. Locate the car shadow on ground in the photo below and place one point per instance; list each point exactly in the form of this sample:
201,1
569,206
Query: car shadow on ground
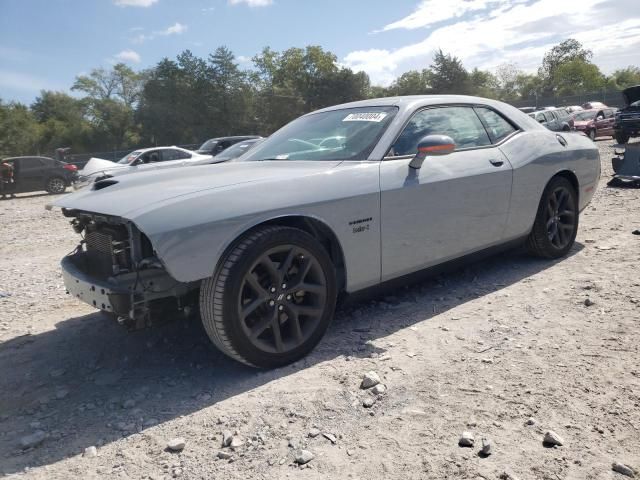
89,381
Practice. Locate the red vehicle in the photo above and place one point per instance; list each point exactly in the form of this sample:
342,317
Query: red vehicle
595,123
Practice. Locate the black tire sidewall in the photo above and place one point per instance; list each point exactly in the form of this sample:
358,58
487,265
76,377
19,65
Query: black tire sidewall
232,326
592,135
544,246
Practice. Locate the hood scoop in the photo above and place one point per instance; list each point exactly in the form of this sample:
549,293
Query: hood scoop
100,184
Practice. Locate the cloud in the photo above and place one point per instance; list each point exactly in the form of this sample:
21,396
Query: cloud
252,3
22,81
127,56
430,12
175,29
501,32
134,3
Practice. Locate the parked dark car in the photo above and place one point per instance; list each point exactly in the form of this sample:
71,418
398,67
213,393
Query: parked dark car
214,146
556,120
627,120
33,174
237,150
595,123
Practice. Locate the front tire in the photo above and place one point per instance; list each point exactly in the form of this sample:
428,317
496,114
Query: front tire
55,185
592,135
621,138
556,225
272,298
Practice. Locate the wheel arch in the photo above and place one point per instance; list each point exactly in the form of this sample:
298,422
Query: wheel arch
573,179
315,227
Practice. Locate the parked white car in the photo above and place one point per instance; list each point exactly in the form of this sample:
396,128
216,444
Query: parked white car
140,160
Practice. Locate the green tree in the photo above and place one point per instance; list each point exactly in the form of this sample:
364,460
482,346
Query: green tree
110,97
413,82
483,83
19,130
448,75
562,53
577,76
62,122
625,77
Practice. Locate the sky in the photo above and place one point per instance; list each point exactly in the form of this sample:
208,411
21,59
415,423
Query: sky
45,44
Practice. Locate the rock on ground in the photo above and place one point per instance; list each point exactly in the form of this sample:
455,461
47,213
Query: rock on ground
370,379
32,440
551,438
176,444
623,469
303,457
90,452
466,439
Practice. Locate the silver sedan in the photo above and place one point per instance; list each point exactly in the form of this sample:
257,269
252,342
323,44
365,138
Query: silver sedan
338,200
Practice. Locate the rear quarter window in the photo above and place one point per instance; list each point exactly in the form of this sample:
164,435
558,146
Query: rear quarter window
498,127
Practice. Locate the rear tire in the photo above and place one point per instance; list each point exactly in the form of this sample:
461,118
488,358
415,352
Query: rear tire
621,138
272,298
556,225
55,185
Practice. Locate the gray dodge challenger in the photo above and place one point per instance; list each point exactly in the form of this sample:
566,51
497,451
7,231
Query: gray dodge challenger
339,200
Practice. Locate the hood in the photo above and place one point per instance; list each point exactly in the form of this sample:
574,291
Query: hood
631,94
127,195
99,165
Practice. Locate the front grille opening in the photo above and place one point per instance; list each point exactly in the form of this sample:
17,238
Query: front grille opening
108,249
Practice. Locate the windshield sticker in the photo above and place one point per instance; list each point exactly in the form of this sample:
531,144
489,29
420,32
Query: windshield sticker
365,117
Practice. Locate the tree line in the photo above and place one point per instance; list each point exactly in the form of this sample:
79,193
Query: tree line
189,99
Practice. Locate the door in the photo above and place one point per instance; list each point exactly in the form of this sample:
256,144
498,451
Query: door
605,126
601,123
552,121
29,174
454,204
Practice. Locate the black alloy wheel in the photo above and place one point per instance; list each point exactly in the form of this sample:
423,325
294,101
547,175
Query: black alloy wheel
556,224
271,299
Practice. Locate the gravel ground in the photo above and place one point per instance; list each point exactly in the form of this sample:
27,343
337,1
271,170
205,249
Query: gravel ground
505,349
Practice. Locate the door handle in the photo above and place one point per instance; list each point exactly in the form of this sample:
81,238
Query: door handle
496,163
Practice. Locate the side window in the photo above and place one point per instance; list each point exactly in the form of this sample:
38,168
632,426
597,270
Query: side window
172,154
547,117
150,157
600,115
30,163
497,126
460,123
608,113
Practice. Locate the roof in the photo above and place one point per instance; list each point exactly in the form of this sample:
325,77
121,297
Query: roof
242,137
27,156
412,100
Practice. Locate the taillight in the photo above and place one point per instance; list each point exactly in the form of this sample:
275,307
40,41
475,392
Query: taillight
71,168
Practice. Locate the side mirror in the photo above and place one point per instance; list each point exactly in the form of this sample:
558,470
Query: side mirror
432,145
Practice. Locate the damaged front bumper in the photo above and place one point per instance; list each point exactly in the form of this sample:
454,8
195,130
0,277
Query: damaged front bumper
131,296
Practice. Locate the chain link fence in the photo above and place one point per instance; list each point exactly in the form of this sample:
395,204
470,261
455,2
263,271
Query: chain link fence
610,97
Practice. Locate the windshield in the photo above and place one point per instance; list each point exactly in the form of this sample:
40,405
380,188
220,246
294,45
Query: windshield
208,145
582,116
129,158
346,134
635,104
